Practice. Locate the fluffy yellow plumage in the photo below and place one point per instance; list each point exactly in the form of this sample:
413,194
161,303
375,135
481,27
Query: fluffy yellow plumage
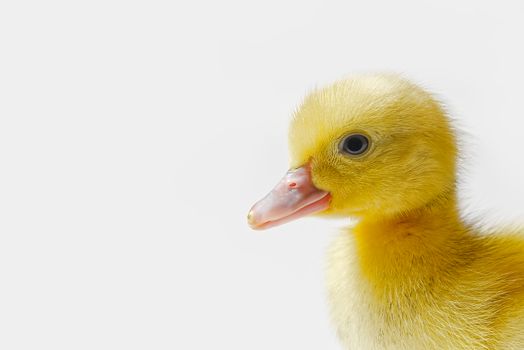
410,274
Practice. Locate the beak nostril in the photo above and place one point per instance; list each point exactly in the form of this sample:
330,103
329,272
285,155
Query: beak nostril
292,184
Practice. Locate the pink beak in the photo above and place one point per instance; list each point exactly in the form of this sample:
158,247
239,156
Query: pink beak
293,197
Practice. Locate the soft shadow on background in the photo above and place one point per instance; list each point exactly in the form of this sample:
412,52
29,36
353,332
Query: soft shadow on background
134,136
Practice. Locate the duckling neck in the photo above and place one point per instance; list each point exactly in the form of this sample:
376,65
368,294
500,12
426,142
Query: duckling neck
410,249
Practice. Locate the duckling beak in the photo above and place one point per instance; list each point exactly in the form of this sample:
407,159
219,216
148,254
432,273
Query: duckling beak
293,197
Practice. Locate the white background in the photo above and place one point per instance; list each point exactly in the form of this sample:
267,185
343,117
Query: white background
135,135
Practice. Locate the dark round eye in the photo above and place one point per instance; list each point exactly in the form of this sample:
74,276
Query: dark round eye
355,144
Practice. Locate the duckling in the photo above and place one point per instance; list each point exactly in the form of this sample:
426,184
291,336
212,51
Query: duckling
410,273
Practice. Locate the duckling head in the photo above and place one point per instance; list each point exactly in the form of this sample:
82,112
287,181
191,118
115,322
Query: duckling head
368,146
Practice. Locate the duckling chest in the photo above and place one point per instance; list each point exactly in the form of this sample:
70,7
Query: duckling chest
398,320
358,319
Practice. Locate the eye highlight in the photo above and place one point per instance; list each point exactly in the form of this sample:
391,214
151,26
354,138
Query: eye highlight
354,144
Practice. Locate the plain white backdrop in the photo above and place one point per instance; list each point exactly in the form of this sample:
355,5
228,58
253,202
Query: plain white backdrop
135,135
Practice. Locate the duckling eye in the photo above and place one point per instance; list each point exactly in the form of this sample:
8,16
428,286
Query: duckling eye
354,144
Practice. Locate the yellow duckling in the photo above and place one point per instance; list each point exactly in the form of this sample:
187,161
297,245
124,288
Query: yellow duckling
410,274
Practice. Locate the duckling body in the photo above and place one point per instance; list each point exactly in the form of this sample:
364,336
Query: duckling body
392,286
410,274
